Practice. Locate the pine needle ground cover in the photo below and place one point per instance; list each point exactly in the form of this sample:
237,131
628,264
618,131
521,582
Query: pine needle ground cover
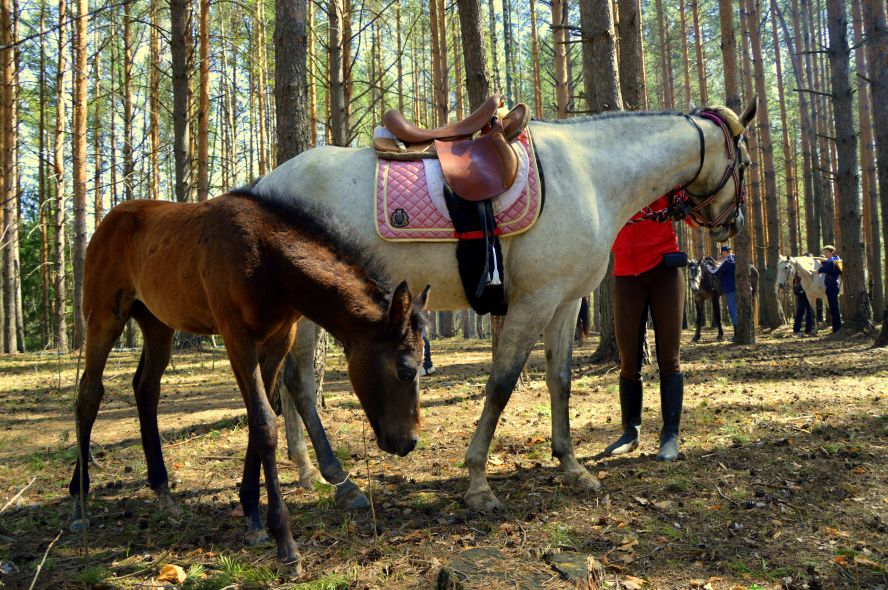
783,483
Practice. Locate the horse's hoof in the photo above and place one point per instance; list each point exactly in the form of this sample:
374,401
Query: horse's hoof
308,476
291,568
254,533
483,501
583,480
721,338
78,520
166,504
695,339
350,497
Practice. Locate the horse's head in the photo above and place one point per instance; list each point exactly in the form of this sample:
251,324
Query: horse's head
717,193
694,275
785,271
383,363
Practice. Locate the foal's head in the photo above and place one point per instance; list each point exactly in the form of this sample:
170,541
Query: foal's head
383,364
694,275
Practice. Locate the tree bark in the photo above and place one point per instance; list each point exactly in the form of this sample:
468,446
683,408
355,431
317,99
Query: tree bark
181,97
261,69
494,50
665,60
874,20
42,196
61,329
154,103
203,104
477,76
559,46
78,163
632,86
745,330
9,227
868,164
535,61
290,88
338,120
855,301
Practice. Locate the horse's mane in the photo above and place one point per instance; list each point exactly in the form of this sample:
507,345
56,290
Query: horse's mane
340,238
729,116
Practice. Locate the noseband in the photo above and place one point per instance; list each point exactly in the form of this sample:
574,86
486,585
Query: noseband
679,199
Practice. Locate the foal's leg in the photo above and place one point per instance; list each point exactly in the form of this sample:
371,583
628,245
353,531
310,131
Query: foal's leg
348,495
559,341
521,329
262,444
146,384
102,330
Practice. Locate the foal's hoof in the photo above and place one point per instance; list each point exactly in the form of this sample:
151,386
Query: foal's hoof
291,568
583,480
350,497
482,501
78,520
166,504
254,533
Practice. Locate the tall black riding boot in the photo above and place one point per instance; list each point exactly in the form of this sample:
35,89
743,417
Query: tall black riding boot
671,398
630,408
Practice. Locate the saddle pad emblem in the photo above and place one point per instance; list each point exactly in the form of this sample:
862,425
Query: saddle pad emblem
400,218
409,199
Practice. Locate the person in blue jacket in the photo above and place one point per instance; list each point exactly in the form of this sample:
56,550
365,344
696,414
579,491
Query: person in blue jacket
725,272
831,268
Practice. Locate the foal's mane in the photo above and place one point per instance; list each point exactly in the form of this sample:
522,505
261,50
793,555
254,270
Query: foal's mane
338,237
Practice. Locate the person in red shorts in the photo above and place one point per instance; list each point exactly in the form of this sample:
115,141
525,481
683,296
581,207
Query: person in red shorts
648,276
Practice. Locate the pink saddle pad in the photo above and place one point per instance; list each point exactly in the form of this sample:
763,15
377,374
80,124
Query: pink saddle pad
409,208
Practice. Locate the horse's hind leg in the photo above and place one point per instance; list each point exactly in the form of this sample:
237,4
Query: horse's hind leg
348,495
156,353
558,343
297,378
102,330
717,316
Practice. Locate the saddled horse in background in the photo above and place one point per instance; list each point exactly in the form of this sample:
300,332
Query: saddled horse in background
705,287
598,171
246,268
805,267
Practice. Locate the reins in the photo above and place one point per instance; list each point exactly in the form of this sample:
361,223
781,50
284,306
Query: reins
679,205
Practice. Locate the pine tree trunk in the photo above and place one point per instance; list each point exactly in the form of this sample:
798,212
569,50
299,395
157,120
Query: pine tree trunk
338,119
61,302
203,104
507,49
154,104
745,329
868,164
665,60
42,190
632,86
772,313
698,49
559,46
78,163
477,77
855,301
98,205
290,88
261,68
494,50
312,65
535,60
874,20
9,227
181,97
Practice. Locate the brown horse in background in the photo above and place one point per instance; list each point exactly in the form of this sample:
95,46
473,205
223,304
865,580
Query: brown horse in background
248,270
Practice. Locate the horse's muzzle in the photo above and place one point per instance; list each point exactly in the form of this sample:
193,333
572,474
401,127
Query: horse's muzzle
399,446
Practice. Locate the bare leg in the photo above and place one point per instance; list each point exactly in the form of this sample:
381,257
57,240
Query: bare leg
146,384
101,333
558,372
521,329
302,392
262,441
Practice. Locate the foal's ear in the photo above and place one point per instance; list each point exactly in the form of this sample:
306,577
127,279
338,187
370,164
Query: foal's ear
419,302
749,114
399,309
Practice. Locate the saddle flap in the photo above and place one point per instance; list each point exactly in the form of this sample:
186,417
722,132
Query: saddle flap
479,169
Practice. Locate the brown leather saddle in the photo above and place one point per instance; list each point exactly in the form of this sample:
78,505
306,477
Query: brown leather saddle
476,154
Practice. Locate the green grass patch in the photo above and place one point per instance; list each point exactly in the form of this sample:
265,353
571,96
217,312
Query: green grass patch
328,582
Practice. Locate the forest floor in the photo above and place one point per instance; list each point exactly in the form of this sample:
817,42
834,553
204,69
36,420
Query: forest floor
783,481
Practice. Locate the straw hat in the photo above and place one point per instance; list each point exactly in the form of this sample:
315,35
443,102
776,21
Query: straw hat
830,247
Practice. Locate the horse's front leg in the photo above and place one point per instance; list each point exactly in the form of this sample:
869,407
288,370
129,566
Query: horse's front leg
302,401
559,351
262,447
700,307
521,329
717,316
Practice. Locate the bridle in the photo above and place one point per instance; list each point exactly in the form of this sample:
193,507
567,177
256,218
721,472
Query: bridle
679,199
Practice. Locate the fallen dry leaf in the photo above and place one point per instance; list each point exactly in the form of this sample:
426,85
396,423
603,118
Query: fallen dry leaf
868,563
171,573
602,474
633,583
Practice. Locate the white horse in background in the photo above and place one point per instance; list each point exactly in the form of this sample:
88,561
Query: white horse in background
813,282
597,172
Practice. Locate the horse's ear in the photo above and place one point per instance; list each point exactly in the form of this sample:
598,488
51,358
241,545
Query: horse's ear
419,302
749,114
399,309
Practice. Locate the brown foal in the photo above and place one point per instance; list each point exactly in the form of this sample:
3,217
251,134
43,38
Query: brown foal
248,270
